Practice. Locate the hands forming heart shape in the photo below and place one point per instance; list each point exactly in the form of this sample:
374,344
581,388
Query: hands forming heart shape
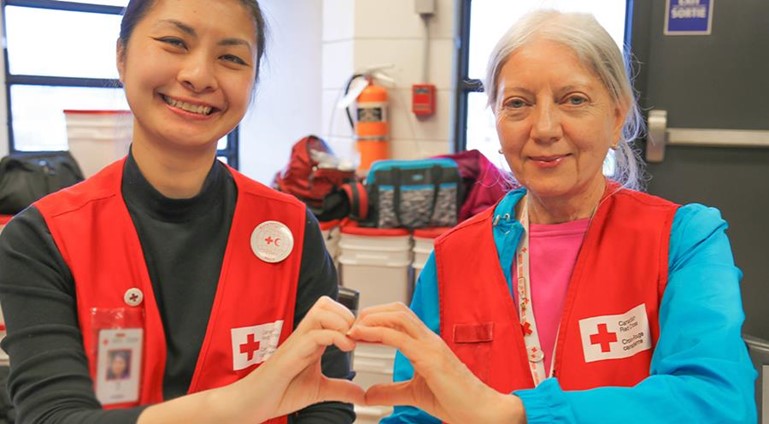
442,385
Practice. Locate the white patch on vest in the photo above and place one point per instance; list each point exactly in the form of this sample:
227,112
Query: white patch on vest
254,345
615,336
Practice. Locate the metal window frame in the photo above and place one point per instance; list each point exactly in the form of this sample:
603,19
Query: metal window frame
233,138
464,81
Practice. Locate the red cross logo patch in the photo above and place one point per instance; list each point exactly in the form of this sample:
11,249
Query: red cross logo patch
254,345
615,336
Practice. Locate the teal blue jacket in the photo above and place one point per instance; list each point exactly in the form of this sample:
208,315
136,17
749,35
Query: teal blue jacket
700,371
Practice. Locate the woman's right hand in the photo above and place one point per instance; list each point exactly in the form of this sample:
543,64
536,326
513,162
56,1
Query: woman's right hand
442,385
288,381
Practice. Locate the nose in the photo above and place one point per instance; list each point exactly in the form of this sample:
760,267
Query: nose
198,74
546,127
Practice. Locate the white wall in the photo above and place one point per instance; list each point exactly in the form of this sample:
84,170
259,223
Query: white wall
287,99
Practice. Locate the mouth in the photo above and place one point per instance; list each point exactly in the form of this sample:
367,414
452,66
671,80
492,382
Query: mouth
197,109
552,158
547,161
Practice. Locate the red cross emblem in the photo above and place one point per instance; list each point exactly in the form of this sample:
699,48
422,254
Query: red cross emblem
269,240
534,352
250,346
603,337
526,328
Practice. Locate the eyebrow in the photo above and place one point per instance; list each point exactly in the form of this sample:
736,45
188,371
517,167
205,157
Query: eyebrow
232,41
579,86
508,90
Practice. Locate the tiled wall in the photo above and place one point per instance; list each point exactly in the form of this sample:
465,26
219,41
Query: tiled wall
363,33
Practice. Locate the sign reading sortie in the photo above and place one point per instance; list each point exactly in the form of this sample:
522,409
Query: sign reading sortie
688,17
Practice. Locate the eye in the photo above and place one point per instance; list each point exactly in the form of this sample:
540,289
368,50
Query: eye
515,103
173,41
234,59
576,100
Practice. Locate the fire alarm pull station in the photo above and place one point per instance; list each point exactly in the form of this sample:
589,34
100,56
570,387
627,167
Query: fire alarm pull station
423,99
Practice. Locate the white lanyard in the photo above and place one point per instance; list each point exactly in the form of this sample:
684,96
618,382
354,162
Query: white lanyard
525,306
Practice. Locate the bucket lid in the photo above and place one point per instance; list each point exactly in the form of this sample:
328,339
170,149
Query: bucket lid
95,112
383,262
353,228
432,232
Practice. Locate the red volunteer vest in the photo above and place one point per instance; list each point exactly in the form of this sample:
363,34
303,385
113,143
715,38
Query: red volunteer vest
93,231
621,270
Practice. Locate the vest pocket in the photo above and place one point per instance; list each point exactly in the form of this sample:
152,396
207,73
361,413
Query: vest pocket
472,345
474,333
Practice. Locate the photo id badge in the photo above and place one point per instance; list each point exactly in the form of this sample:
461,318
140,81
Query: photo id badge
118,366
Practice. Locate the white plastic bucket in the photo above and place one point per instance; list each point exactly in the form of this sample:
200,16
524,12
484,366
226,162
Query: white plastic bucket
421,253
98,137
330,232
374,241
377,284
424,243
374,256
418,267
373,364
371,414
376,262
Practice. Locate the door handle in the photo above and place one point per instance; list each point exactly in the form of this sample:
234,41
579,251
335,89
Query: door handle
655,143
660,136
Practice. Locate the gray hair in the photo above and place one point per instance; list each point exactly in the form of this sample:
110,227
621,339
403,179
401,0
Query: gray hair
593,46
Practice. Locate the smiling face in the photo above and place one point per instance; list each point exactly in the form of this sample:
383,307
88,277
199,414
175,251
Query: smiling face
555,121
188,70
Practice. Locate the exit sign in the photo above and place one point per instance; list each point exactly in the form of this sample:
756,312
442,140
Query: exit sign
688,17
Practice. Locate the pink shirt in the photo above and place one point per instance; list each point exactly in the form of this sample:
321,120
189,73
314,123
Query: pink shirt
553,252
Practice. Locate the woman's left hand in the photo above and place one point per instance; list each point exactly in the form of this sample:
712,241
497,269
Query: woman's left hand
442,385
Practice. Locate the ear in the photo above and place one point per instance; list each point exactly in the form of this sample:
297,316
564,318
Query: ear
120,53
620,115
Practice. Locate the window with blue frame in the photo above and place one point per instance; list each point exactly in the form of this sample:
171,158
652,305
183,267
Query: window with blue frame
61,55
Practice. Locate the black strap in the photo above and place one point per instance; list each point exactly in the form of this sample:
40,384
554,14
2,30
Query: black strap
397,195
358,199
437,175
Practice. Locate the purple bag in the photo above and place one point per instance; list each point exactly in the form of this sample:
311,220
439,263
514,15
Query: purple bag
484,183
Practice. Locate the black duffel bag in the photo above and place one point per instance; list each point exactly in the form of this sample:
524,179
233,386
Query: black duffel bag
26,177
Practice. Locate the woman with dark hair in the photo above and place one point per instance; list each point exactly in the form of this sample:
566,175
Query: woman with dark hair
219,287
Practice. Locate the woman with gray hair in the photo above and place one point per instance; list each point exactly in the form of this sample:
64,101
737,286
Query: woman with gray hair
576,298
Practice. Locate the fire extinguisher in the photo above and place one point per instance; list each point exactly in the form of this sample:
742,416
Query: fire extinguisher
372,128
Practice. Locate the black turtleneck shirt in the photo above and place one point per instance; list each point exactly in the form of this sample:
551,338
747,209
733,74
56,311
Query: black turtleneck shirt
183,242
